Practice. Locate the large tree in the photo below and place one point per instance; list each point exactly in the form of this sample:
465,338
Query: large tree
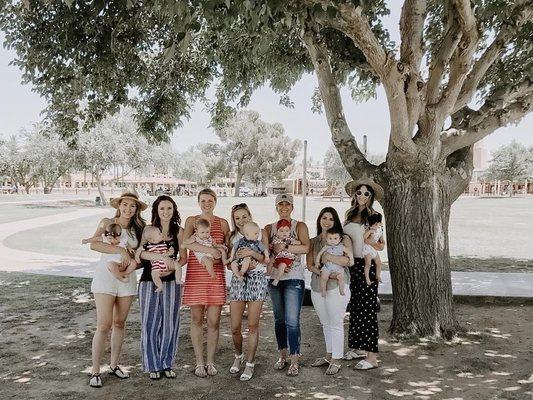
512,162
451,53
256,150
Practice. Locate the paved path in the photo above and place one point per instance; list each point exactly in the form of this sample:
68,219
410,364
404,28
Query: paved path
26,261
464,283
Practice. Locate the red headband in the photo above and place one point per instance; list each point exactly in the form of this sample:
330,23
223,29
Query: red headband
283,222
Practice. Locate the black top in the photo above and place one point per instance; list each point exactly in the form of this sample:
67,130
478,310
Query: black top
147,265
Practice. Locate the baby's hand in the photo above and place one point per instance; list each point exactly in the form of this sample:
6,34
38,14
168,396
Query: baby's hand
170,252
266,260
84,241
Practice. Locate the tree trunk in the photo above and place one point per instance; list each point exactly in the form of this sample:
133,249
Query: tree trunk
103,199
417,211
238,179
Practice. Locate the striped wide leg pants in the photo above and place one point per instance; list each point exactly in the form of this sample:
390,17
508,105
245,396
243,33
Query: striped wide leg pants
160,321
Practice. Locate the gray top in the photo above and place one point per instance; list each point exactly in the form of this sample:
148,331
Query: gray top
317,243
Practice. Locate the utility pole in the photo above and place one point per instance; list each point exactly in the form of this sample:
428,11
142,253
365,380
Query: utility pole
304,181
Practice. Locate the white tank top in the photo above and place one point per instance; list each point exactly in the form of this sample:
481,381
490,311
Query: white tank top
356,232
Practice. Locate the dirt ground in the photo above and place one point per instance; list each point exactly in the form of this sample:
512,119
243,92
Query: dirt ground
46,326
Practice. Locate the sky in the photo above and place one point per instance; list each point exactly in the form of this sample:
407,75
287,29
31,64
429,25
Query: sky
20,107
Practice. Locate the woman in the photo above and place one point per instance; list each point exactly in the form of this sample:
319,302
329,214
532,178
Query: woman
330,309
250,292
203,294
287,296
113,297
160,312
363,333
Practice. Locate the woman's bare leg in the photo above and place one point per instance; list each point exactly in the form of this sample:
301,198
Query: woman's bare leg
120,314
104,320
197,339
213,323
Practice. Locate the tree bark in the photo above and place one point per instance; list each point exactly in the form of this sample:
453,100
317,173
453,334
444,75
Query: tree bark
103,199
417,211
238,180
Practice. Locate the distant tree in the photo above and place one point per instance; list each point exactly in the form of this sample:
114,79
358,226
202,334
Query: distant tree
258,150
201,163
164,158
17,160
512,162
114,141
50,154
334,169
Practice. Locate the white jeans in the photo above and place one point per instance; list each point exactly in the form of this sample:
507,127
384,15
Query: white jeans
330,311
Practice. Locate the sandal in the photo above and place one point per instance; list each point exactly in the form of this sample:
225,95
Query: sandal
200,372
246,376
352,355
155,375
95,381
280,364
169,373
118,373
211,370
293,370
364,365
333,369
237,364
320,362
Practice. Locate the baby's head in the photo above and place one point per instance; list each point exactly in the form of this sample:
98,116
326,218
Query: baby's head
374,220
202,228
283,229
112,233
334,236
251,230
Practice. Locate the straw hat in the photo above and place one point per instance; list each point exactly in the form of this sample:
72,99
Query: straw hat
378,190
128,194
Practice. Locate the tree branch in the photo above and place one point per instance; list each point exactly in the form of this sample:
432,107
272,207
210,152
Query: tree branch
503,107
462,58
460,166
354,24
522,13
411,53
352,157
441,59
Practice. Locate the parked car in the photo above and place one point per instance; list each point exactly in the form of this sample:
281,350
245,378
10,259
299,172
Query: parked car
245,192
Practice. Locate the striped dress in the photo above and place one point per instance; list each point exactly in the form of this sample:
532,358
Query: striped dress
200,288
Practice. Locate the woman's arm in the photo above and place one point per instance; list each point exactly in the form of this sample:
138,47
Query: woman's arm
310,260
343,261
188,232
303,237
182,250
379,245
106,248
367,237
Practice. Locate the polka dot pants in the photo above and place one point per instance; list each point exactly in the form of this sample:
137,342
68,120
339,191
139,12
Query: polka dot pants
363,331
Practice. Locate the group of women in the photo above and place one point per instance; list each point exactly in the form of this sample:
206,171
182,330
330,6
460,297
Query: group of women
205,296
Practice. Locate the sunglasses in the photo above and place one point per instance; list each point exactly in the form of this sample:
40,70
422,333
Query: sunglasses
359,193
112,234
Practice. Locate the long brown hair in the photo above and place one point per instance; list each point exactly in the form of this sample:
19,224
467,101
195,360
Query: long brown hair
136,222
355,210
175,220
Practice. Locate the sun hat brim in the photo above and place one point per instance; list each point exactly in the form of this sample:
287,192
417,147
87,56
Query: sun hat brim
378,190
131,196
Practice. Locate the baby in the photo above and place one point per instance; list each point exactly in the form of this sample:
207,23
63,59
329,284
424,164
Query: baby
202,235
331,270
372,236
283,260
113,236
251,241
153,242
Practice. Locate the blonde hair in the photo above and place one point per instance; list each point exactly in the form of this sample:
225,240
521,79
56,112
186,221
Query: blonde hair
136,222
237,207
209,192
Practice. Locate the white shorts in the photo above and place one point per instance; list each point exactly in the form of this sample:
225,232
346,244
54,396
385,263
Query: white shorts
369,251
104,282
331,268
199,256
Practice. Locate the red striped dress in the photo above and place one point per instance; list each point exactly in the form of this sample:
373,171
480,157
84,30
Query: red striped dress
200,288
